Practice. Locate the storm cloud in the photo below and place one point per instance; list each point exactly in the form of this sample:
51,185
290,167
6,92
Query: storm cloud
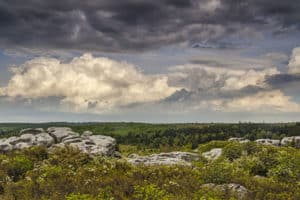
135,25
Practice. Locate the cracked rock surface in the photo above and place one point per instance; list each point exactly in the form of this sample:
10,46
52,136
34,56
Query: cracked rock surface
60,137
171,158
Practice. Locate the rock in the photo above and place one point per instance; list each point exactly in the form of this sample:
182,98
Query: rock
5,146
12,140
82,147
44,139
268,142
117,154
26,138
294,140
172,158
32,131
58,133
91,144
60,137
240,140
22,145
213,154
72,139
104,145
236,190
87,133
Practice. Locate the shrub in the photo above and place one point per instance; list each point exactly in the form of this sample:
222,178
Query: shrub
150,192
18,166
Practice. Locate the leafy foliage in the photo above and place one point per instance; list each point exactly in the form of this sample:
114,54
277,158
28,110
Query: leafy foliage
268,172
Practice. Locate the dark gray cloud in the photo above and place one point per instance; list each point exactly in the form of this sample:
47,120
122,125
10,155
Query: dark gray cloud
284,81
133,25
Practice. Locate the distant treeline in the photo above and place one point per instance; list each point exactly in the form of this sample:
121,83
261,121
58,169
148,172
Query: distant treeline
197,135
174,135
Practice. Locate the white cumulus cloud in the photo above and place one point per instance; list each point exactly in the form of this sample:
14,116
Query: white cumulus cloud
269,101
294,63
86,82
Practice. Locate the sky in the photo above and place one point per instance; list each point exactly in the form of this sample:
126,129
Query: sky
150,61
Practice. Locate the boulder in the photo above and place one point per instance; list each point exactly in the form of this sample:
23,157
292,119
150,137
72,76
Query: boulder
293,140
172,158
22,145
44,139
213,154
236,190
104,145
268,142
82,146
93,145
11,140
59,133
87,133
240,140
26,138
5,146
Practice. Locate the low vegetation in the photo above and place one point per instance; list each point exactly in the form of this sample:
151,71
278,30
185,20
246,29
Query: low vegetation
266,171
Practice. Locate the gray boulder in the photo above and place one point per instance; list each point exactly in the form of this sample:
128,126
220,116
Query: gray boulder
268,142
103,144
22,145
44,139
5,146
213,154
26,138
87,133
240,140
172,158
59,133
88,143
294,140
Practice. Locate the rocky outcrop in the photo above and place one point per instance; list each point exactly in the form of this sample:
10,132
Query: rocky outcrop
293,140
236,190
268,142
60,137
213,154
286,141
171,158
240,140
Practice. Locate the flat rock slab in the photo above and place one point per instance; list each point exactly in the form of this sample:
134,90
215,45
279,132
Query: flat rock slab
172,158
239,140
268,142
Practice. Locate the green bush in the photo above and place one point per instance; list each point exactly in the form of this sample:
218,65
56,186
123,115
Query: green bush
18,166
150,192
